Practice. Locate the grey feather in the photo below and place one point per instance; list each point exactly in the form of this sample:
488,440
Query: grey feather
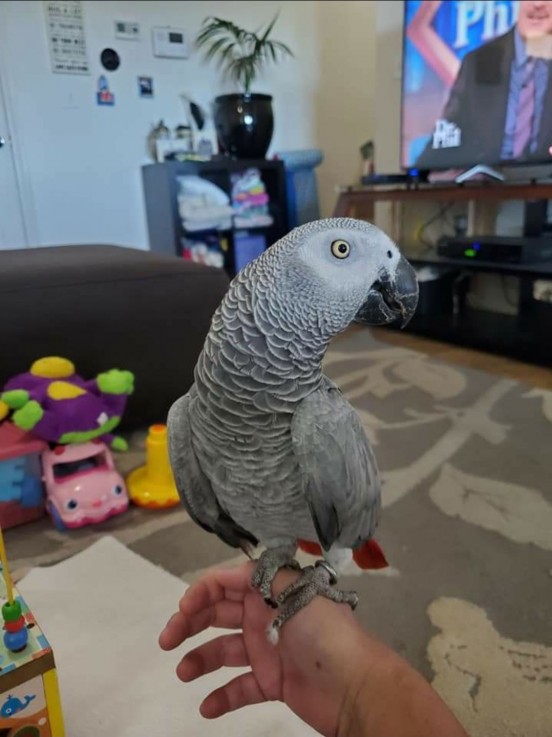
193,487
338,466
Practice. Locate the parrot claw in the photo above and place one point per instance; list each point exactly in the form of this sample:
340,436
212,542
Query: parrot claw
267,567
317,580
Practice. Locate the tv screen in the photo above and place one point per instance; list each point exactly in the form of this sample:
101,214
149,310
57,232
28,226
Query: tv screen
477,83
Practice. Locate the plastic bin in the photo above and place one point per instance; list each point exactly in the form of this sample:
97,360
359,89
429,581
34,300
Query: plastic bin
301,186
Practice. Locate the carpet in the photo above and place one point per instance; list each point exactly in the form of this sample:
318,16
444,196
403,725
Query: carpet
102,611
467,527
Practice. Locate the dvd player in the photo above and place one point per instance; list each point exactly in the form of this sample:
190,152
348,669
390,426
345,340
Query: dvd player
498,249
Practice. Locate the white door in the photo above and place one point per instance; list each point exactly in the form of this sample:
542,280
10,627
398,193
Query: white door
12,224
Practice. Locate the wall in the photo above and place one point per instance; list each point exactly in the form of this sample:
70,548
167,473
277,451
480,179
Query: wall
388,48
82,162
346,97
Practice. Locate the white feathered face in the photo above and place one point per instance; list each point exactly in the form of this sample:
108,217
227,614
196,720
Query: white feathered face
357,267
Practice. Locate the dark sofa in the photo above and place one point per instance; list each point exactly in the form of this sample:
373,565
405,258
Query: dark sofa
109,307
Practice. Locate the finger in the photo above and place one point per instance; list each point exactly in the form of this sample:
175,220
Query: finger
227,650
216,585
242,691
224,614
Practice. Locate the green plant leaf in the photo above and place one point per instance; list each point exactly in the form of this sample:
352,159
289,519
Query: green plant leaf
239,53
226,52
271,49
219,43
270,27
284,48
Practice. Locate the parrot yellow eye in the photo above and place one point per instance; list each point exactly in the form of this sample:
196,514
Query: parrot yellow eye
341,249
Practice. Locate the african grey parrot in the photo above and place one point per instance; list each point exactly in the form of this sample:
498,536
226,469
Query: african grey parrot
264,447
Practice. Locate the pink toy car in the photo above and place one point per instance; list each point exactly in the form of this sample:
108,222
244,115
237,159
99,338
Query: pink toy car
83,486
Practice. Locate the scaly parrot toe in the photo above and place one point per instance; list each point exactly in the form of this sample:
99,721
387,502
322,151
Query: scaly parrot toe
267,567
317,580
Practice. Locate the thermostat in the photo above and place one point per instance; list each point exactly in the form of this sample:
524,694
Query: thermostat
170,43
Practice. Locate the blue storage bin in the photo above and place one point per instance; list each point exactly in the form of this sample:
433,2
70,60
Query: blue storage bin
301,186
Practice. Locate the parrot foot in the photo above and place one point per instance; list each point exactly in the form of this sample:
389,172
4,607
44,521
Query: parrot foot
268,566
317,580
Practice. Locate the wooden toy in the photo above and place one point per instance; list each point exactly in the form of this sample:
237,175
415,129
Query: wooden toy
29,695
21,491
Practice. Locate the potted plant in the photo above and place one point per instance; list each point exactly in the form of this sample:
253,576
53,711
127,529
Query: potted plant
244,121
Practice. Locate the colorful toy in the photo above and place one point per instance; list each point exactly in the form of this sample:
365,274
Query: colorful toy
21,491
153,485
83,487
29,693
59,406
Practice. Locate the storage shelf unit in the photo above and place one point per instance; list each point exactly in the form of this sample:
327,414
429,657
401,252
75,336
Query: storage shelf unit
165,227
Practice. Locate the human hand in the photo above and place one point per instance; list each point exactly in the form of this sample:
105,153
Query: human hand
335,676
316,668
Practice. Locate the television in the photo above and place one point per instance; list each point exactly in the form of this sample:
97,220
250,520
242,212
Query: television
476,83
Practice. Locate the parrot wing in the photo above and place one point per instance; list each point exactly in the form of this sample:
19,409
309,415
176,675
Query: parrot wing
339,469
193,485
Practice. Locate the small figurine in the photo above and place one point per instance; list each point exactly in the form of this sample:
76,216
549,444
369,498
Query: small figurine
59,406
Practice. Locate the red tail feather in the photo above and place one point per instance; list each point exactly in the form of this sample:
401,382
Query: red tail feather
310,548
369,556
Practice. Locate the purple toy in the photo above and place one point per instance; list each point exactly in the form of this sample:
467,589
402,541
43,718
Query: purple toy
59,406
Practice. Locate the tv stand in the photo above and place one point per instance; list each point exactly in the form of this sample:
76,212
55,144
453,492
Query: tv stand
479,169
525,334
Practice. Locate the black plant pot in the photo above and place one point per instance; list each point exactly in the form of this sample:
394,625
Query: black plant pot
244,124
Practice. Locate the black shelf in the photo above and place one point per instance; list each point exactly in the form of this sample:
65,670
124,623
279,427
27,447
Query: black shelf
525,335
537,269
488,331
165,227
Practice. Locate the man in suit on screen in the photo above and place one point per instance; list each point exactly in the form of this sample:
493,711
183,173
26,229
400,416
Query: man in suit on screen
500,105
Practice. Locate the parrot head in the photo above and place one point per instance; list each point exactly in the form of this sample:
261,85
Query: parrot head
353,271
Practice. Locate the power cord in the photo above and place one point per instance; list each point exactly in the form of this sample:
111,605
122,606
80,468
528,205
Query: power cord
434,218
511,301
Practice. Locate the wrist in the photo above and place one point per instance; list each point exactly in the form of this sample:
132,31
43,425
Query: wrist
373,673
391,698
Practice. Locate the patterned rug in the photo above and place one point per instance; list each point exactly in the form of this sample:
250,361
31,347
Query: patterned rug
467,528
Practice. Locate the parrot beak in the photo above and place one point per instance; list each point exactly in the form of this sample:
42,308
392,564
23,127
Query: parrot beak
393,297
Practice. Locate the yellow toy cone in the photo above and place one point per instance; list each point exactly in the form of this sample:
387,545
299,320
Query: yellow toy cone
153,485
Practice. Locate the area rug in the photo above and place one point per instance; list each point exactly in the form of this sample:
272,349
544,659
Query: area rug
466,460
102,611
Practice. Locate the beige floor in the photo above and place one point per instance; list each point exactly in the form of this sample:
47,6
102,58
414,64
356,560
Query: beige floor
538,376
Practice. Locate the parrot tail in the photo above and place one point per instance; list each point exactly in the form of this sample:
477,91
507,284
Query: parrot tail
368,556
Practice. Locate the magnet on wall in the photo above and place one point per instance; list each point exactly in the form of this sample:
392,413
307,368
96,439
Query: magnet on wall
104,96
110,59
145,86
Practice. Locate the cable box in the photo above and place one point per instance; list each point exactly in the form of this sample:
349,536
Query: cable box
498,249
